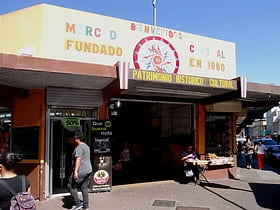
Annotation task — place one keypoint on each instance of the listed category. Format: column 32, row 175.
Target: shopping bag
column 189, row 173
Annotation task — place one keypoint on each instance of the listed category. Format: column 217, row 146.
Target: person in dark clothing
column 189, row 155
column 7, row 171
column 249, row 150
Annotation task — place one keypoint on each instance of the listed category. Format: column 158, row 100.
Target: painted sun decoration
column 156, row 54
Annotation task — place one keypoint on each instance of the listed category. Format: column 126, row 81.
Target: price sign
column 71, row 122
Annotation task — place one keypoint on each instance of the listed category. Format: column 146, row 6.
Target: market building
column 63, row 69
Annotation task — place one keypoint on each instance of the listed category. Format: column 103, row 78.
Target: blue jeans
column 249, row 159
column 82, row 184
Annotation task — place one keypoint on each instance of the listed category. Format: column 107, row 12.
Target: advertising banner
column 101, row 180
column 102, row 135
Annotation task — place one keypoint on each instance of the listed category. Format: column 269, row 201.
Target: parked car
column 273, row 154
column 267, row 142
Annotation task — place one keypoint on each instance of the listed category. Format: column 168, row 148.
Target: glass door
column 62, row 144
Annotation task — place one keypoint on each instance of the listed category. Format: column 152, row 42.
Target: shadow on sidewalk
column 207, row 187
column 221, row 186
column 267, row 195
column 67, row 202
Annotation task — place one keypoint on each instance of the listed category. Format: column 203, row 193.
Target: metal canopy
column 20, row 73
column 26, row 79
column 34, row 73
column 260, row 99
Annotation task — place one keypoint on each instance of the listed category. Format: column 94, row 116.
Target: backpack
column 22, row 200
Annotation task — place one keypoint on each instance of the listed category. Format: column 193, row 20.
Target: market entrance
column 62, row 131
column 154, row 133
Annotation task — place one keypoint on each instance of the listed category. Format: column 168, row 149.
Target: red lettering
column 97, row 32
column 218, row 54
column 192, row 48
column 133, row 27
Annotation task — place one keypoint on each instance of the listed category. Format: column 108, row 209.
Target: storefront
column 151, row 129
column 68, row 109
column 174, row 119
column 162, row 89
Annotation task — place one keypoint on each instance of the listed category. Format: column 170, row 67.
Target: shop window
column 25, row 141
column 218, row 134
column 5, row 124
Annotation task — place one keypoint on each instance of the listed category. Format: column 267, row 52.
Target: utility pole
column 155, row 12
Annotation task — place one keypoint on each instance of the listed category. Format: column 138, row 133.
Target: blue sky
column 253, row 25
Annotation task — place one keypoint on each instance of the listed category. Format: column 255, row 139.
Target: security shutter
column 68, row 97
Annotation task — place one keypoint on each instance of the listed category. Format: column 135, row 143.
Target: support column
column 200, row 129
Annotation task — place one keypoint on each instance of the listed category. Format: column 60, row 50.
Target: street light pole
column 155, row 12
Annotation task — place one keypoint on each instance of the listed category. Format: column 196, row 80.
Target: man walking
column 249, row 150
column 82, row 170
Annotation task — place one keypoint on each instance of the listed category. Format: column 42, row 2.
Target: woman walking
column 260, row 150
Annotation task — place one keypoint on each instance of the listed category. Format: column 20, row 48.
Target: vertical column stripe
column 243, row 87
column 123, row 68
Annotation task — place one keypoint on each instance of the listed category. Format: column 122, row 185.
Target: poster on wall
column 102, row 136
column 101, row 179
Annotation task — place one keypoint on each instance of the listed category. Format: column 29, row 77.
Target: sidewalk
column 252, row 189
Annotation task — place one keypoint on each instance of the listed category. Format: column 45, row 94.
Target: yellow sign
column 136, row 74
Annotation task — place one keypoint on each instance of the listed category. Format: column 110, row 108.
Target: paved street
column 252, row 189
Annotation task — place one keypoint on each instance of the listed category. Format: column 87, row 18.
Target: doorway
column 160, row 129
column 62, row 147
